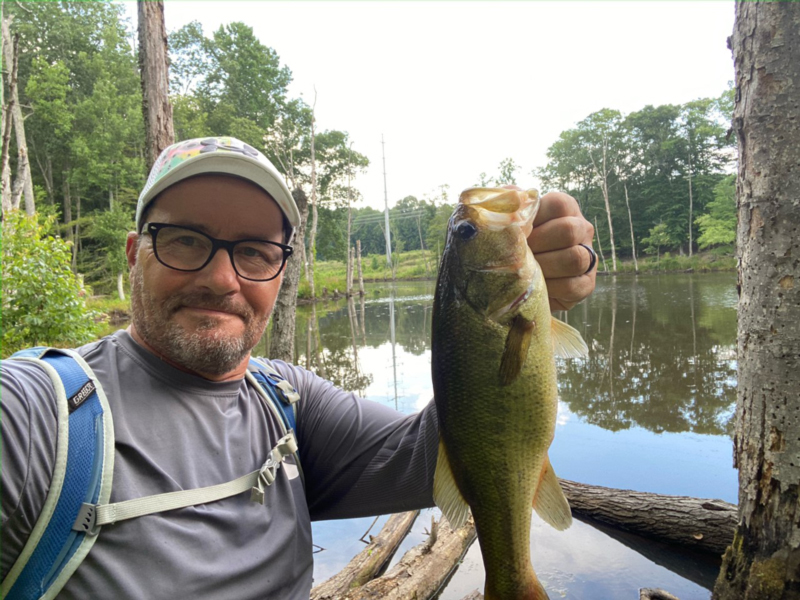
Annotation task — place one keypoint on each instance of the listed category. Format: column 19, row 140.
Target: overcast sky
column 455, row 87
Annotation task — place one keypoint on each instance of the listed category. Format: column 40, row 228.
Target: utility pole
column 386, row 210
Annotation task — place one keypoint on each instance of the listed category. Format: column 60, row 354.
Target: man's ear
column 132, row 248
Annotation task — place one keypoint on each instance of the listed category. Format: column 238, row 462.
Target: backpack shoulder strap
column 83, row 472
column 280, row 396
column 281, row 392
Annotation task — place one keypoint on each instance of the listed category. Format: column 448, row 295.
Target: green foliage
column 507, row 176
column 659, row 238
column 718, row 225
column 43, row 300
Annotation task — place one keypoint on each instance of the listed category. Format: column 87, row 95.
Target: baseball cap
column 224, row 155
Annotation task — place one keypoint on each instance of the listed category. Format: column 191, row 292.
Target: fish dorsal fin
column 445, row 492
column 567, row 342
column 549, row 501
column 518, row 341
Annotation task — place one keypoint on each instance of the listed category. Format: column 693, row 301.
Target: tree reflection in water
column 662, row 348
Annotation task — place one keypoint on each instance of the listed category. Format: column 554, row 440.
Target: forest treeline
column 655, row 177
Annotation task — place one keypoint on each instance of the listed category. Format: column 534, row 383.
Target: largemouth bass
column 494, row 344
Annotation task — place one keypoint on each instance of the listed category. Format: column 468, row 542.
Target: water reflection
column 661, row 349
column 676, row 375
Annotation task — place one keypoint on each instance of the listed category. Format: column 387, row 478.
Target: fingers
column 573, row 261
column 566, row 292
column 558, row 230
column 554, row 205
column 559, row 233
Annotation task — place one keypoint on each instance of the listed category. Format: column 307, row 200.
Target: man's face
column 206, row 321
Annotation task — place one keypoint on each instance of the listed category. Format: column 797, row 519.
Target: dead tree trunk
column 633, row 239
column 368, row 563
column 312, row 247
column 762, row 563
column 154, row 70
column 423, row 569
column 24, row 182
column 360, row 272
column 696, row 523
column 281, row 344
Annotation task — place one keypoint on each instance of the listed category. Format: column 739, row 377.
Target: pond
column 650, row 410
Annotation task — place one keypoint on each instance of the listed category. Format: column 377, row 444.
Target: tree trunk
column 154, row 69
column 67, row 206
column 312, row 247
column 423, row 569
column 691, row 202
column 695, row 523
column 764, row 560
column 368, row 563
column 23, row 164
column 633, row 239
column 600, row 246
column 281, row 344
column 120, row 287
column 360, row 273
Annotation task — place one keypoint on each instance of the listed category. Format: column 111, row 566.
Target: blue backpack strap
column 282, row 397
column 281, row 391
column 83, row 471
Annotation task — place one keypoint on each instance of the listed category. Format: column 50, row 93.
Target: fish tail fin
column 549, row 500
column 567, row 341
column 531, row 589
column 445, row 492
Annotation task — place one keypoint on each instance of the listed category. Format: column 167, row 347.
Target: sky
column 455, row 87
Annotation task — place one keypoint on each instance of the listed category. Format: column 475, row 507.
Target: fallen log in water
column 371, row 561
column 423, row 570
column 697, row 523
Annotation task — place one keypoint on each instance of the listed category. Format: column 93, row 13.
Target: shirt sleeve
column 28, row 430
column 359, row 457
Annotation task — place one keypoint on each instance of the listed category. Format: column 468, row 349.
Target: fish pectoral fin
column 567, row 342
column 549, row 501
column 445, row 492
column 518, row 341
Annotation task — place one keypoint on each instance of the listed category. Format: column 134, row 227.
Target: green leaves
column 43, row 301
column 718, row 225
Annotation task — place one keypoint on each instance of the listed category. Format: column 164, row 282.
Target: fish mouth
column 504, row 310
column 501, row 207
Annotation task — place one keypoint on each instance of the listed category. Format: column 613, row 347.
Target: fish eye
column 466, row 230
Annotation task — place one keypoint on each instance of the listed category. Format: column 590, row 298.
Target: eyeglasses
column 187, row 249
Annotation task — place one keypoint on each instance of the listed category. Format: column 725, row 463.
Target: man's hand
column 558, row 230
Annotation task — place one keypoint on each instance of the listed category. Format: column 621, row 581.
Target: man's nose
column 219, row 276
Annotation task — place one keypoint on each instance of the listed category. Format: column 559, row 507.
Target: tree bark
column 23, row 164
column 360, row 272
column 312, row 247
column 368, row 563
column 764, row 560
column 633, row 239
column 696, row 523
column 154, row 70
column 423, row 569
column 281, row 346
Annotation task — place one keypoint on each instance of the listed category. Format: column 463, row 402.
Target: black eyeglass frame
column 153, row 228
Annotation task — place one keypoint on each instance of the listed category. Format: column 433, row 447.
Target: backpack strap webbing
column 82, row 472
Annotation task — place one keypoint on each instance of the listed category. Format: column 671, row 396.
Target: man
column 206, row 264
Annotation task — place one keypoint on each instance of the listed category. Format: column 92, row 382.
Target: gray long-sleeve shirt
column 175, row 431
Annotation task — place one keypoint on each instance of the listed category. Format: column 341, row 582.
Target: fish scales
column 494, row 383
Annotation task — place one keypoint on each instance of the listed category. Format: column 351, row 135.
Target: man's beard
column 204, row 350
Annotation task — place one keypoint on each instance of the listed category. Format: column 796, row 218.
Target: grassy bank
column 333, row 274
column 704, row 262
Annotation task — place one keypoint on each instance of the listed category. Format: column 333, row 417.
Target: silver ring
column 593, row 254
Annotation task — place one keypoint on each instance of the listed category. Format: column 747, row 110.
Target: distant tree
column 659, row 238
column 507, row 169
column 110, row 229
column 718, row 225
